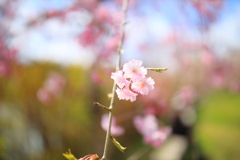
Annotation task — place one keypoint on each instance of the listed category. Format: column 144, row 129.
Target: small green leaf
column 160, row 70
column 118, row 145
column 69, row 155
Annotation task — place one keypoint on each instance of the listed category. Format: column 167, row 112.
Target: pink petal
column 120, row 79
column 126, row 94
column 134, row 70
column 143, row 86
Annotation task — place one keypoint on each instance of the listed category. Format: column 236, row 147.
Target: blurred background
column 56, row 58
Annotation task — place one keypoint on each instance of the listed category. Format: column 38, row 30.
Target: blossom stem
column 119, row 52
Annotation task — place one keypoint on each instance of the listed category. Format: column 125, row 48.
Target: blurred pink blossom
column 44, row 96
column 188, row 94
column 112, row 43
column 207, row 57
column 208, row 8
column 184, row 97
column 90, row 35
column 150, row 130
column 102, row 14
column 54, row 83
column 218, row 80
column 115, row 130
column 220, row 74
column 157, row 137
column 3, row 69
column 101, row 32
column 109, row 48
column 234, row 86
column 146, row 125
column 151, row 110
column 158, row 106
column 51, row 88
column 171, row 38
column 96, row 78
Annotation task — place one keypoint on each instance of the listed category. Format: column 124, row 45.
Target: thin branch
column 120, row 50
column 100, row 105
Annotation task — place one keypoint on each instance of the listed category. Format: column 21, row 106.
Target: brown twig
column 100, row 105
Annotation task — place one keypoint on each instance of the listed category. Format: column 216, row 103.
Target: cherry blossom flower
column 126, row 94
column 120, row 79
column 132, row 80
column 115, row 130
column 143, row 86
column 134, row 70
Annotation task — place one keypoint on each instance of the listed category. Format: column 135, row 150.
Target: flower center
column 134, row 70
column 143, row 84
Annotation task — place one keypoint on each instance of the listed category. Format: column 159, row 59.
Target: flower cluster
column 132, row 80
column 150, row 130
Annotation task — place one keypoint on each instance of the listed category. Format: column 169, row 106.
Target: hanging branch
column 119, row 52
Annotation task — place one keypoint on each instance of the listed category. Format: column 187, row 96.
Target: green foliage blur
column 33, row 130
column 217, row 130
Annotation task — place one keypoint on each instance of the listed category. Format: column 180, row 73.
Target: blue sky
column 54, row 41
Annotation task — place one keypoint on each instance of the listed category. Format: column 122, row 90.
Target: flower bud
column 90, row 157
